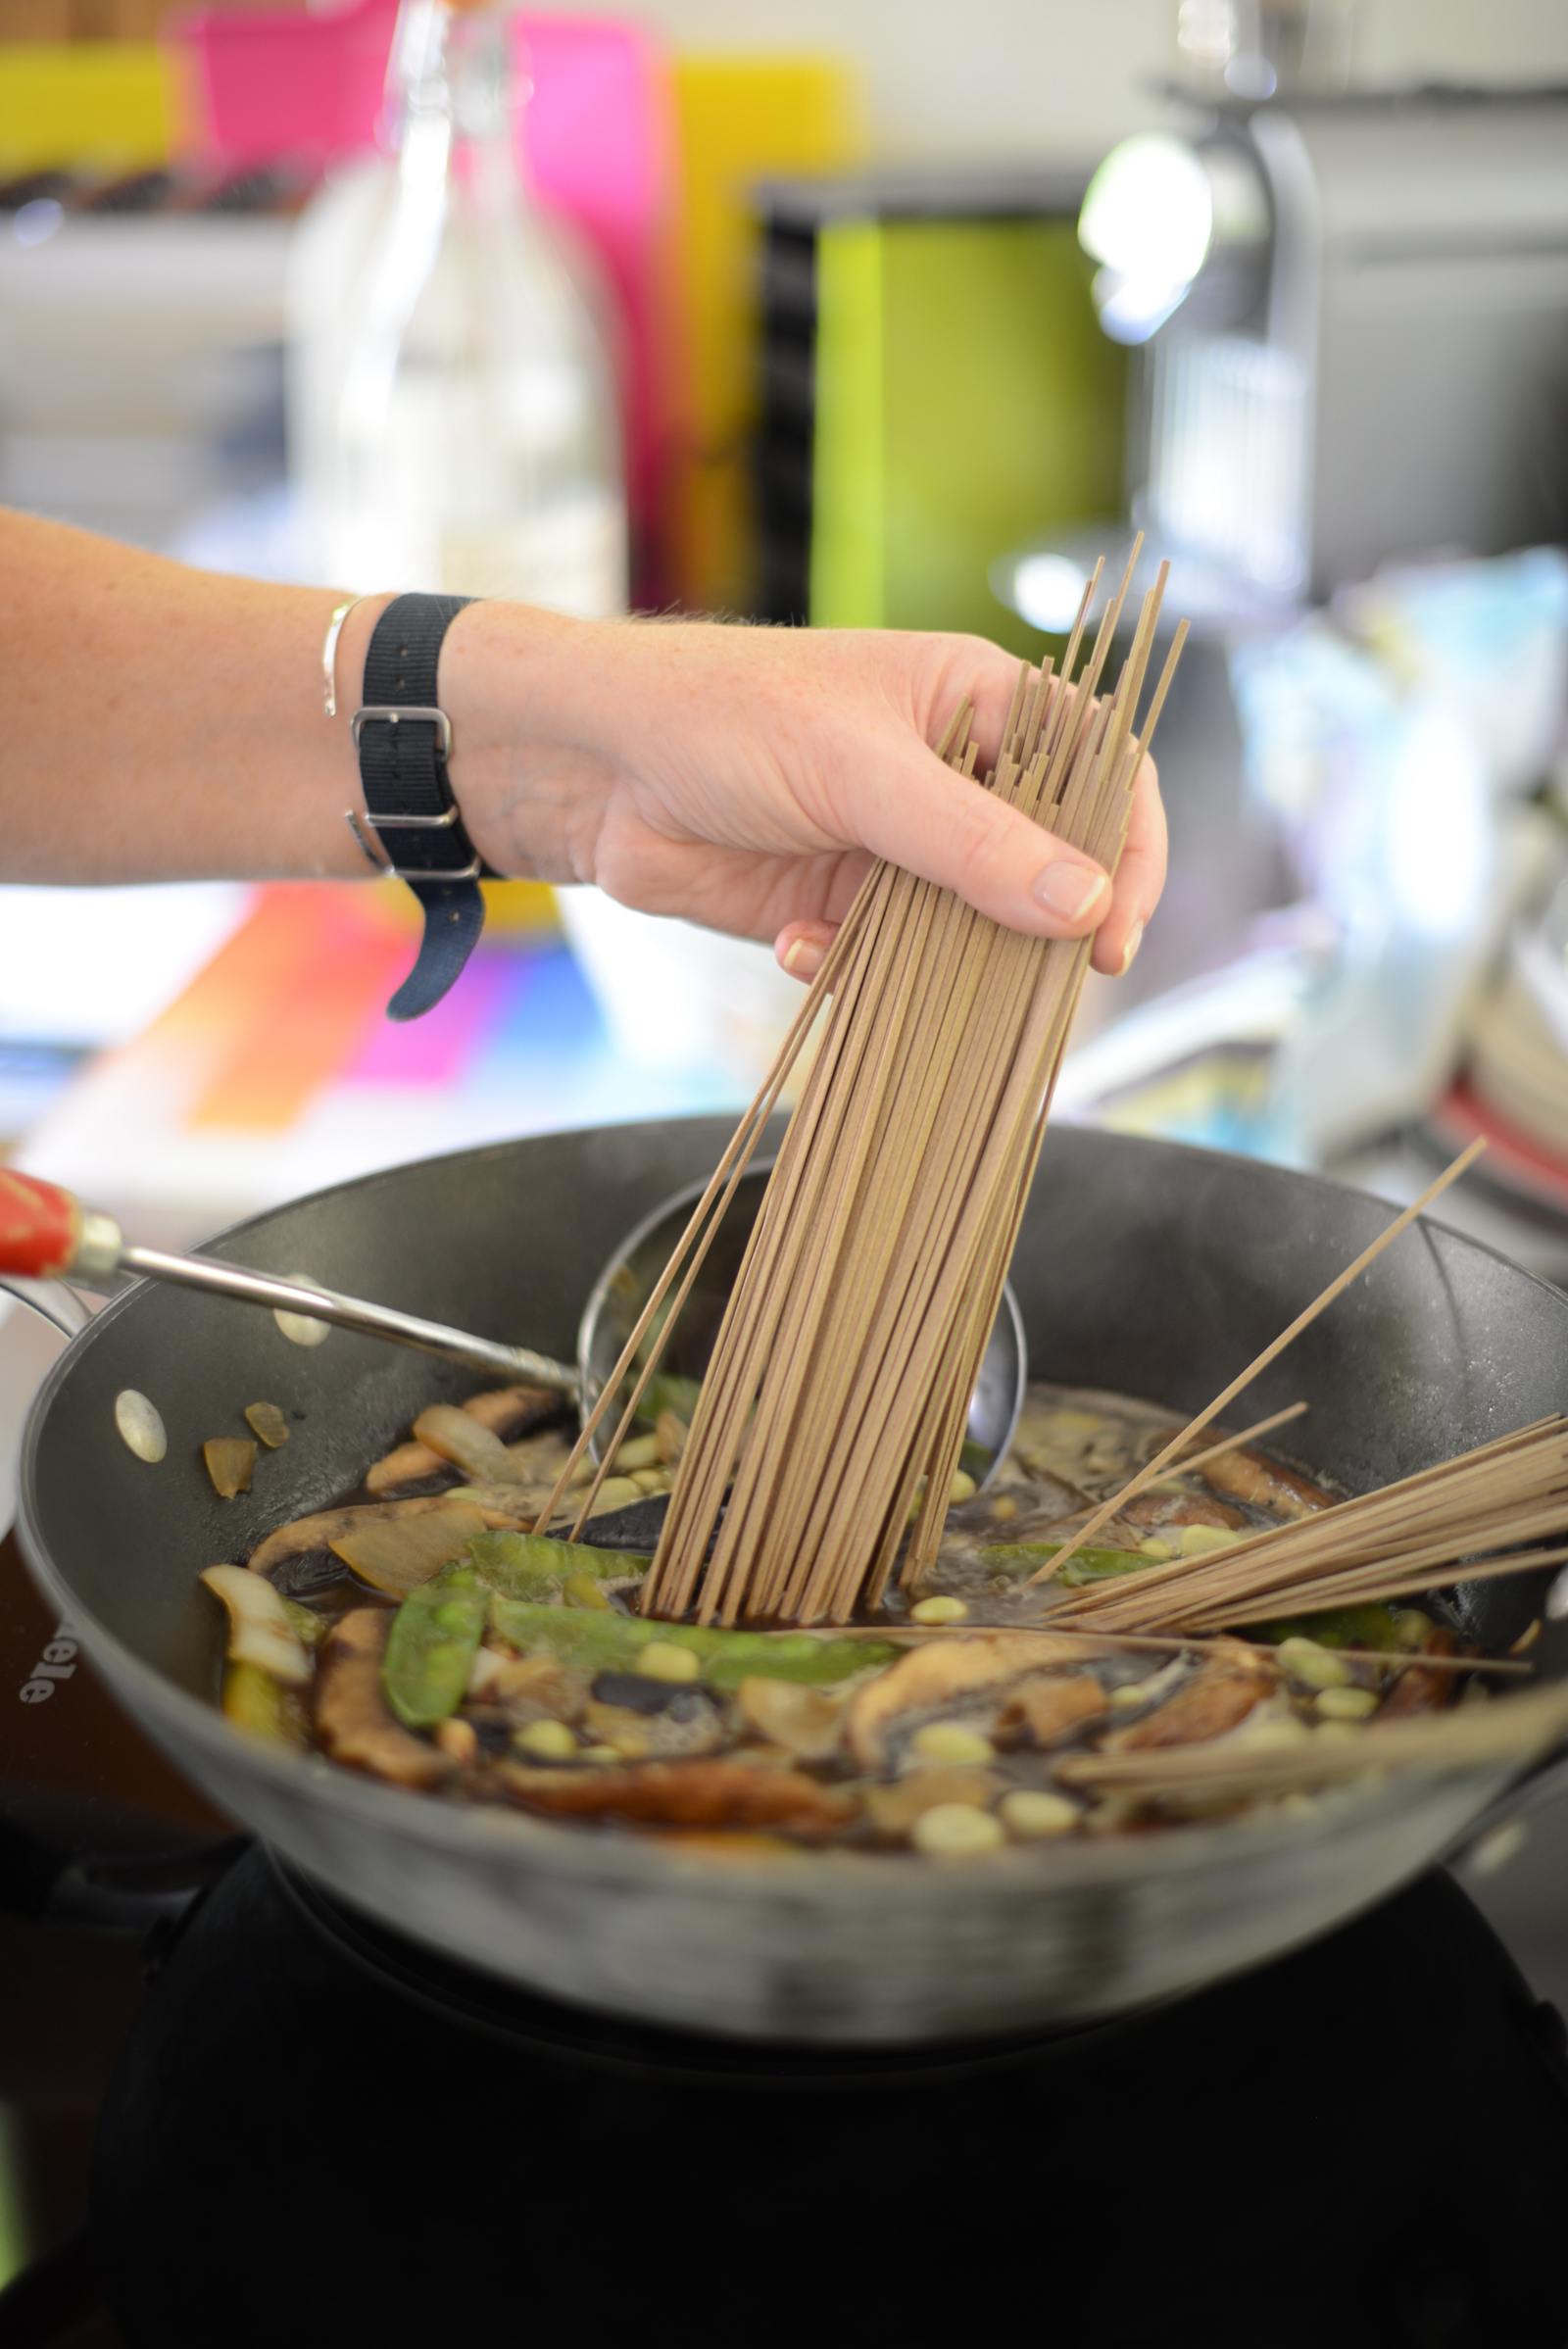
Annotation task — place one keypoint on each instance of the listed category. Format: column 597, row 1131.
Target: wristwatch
column 403, row 740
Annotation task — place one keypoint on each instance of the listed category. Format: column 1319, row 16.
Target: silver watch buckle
column 399, row 872
column 377, row 711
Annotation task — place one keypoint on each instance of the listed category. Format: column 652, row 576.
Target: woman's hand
column 744, row 778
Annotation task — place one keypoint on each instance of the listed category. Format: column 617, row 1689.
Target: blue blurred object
column 1393, row 741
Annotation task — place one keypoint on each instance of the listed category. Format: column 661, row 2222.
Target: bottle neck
column 451, row 90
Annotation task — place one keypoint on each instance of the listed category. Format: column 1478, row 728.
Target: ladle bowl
column 622, row 1289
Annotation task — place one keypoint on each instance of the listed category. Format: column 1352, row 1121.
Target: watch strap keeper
column 404, row 741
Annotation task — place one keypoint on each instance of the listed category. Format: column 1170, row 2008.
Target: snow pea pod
column 430, row 1648
column 1374, row 1625
column 668, row 1390
column 1084, row 1566
column 531, row 1566
column 605, row 1641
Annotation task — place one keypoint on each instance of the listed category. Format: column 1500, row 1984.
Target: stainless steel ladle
column 42, row 1226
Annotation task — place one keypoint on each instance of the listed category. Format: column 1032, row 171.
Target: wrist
column 519, row 686
column 348, row 695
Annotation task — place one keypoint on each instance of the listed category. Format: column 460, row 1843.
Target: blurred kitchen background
column 836, row 313
column 839, row 316
column 844, row 316
column 850, row 316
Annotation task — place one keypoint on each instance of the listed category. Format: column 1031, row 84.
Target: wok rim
column 620, row 1854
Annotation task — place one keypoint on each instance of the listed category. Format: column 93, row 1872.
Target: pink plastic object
column 596, row 142
column 268, row 85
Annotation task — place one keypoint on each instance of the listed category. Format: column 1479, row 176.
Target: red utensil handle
column 41, row 1226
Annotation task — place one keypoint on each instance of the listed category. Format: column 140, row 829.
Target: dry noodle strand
column 836, row 1395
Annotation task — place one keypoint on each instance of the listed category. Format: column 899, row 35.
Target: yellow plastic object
column 519, row 909
column 740, row 119
column 97, row 105
column 512, row 908
column 966, row 401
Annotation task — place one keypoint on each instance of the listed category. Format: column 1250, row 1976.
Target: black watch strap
column 404, row 741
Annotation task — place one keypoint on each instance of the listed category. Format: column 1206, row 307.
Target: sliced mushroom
column 352, row 1719
column 326, row 1526
column 506, row 1412
column 1248, row 1475
column 1047, row 1708
column 1220, row 1693
column 807, row 1722
column 1154, row 1508
column 509, row 1411
column 628, row 1734
column 261, row 1630
column 691, row 1725
column 697, row 1793
column 947, row 1668
column 408, row 1464
column 399, row 1553
column 1422, row 1690
column 531, row 1687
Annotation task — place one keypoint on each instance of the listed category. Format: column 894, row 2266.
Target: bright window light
column 1149, row 218
column 1150, row 212
column 1047, row 591
column 1438, row 836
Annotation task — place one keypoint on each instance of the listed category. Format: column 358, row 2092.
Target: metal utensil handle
column 351, row 1313
column 54, row 1301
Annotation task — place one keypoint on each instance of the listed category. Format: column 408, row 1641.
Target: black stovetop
column 336, row 2137
column 316, row 2132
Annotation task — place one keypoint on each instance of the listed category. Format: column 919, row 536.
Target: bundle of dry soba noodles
column 833, row 1411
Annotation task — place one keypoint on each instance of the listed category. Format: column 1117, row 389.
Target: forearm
column 162, row 724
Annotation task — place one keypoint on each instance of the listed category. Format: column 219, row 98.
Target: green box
column 964, row 402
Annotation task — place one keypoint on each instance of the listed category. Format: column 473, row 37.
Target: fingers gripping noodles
column 833, row 1411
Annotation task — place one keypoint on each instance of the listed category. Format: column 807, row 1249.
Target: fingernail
column 1068, row 891
column 1134, row 942
column 803, row 960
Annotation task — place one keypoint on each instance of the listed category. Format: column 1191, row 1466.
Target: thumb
column 949, row 829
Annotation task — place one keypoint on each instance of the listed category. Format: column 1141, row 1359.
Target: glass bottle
column 468, row 439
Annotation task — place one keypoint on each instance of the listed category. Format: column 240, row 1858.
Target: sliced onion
column 396, row 1553
column 460, row 1438
column 269, row 1423
column 320, row 1530
column 260, row 1630
column 231, row 1460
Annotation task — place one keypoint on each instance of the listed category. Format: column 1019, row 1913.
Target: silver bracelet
column 334, row 629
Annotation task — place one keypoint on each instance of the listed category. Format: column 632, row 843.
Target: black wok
column 1142, row 1267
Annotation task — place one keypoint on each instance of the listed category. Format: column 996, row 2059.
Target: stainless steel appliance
column 1355, row 320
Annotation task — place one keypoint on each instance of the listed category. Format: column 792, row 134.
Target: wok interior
column 1143, row 1268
